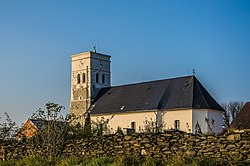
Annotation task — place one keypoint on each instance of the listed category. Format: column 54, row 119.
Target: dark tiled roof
column 175, row 93
column 242, row 120
column 39, row 123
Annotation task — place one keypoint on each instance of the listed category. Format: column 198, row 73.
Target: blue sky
column 148, row 40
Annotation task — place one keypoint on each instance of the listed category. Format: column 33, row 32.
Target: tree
column 53, row 133
column 226, row 119
column 198, row 128
column 231, row 110
column 8, row 129
column 87, row 126
column 77, row 130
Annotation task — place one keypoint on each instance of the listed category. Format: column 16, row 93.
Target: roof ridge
column 192, row 105
column 137, row 83
column 163, row 96
column 202, row 93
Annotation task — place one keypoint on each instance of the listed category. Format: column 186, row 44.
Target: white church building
column 177, row 103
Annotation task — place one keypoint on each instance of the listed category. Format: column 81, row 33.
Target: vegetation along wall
column 233, row 146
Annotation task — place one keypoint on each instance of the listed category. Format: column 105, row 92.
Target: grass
column 34, row 160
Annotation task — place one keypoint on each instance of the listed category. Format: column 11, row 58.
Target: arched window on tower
column 103, row 78
column 97, row 78
column 83, row 78
column 78, row 79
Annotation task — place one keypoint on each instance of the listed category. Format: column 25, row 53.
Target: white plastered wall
column 124, row 120
column 199, row 116
column 218, row 120
column 184, row 116
column 188, row 119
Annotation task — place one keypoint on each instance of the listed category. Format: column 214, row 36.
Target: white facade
column 212, row 115
column 185, row 120
column 183, row 116
column 218, row 120
column 125, row 120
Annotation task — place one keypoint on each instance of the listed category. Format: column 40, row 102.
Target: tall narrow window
column 177, row 124
column 78, row 79
column 103, row 78
column 83, row 78
column 133, row 125
column 97, row 78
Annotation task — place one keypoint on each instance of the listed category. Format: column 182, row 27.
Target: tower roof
column 168, row 94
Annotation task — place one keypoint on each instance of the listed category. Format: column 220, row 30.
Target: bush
column 32, row 160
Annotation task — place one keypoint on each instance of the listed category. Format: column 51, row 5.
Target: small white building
column 177, row 103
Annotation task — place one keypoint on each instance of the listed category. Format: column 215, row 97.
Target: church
column 180, row 103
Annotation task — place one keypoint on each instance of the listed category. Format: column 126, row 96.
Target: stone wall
column 234, row 146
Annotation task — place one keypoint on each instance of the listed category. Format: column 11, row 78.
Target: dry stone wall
column 233, row 146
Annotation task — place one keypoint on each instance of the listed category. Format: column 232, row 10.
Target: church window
column 97, row 78
column 83, row 78
column 78, row 79
column 133, row 125
column 177, row 124
column 103, row 78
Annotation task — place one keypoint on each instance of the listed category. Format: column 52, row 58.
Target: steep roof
column 39, row 123
column 176, row 93
column 242, row 120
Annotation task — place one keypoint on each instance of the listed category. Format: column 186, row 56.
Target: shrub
column 35, row 160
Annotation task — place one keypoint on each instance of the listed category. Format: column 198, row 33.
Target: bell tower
column 90, row 72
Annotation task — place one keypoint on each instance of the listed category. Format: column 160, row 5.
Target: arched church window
column 103, row 78
column 97, row 78
column 83, row 78
column 78, row 79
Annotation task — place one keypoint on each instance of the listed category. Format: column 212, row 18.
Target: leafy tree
column 53, row 134
column 75, row 131
column 231, row 110
column 87, row 126
column 226, row 119
column 8, row 129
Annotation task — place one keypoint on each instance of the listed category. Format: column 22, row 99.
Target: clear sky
column 147, row 39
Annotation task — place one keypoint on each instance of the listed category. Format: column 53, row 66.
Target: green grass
column 34, row 160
